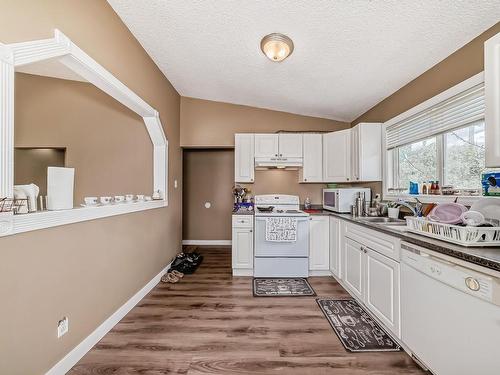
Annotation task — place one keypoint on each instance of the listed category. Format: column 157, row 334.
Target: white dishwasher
column 450, row 315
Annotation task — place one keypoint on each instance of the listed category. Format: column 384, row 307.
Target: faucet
column 417, row 211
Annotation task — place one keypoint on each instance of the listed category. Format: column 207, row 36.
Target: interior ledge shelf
column 59, row 57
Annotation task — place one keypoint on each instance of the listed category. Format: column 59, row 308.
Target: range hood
column 278, row 163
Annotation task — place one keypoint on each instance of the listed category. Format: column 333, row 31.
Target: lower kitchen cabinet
column 353, row 267
column 373, row 278
column 319, row 238
column 242, row 245
column 335, row 243
column 382, row 289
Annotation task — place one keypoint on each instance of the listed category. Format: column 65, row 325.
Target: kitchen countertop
column 243, row 212
column 488, row 257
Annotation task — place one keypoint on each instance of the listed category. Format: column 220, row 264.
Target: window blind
column 455, row 112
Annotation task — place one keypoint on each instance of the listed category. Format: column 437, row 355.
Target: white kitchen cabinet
column 382, row 289
column 337, row 156
column 366, row 152
column 352, row 272
column 319, row 238
column 372, row 277
column 492, row 101
column 290, row 145
column 335, row 244
column 312, row 170
column 242, row 245
column 266, row 145
column 244, row 167
column 278, row 145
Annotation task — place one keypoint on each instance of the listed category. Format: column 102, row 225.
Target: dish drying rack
column 464, row 236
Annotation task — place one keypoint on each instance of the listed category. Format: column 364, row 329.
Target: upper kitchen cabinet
column 492, row 101
column 278, row 145
column 244, row 169
column 337, row 156
column 366, row 151
column 266, row 145
column 312, row 170
column 290, row 145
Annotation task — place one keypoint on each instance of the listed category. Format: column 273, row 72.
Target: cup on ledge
column 90, row 201
column 119, row 198
column 105, row 200
column 140, row 197
column 129, row 198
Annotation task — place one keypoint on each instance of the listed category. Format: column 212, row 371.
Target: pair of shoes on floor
column 186, row 263
column 172, row 276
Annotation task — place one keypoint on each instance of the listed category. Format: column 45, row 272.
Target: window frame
column 391, row 162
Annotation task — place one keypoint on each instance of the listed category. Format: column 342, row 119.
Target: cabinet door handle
column 347, row 178
column 251, row 231
column 305, row 179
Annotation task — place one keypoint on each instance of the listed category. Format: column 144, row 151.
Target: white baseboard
column 242, row 272
column 65, row 364
column 207, row 242
column 320, row 273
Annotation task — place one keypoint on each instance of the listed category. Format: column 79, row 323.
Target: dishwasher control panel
column 454, row 275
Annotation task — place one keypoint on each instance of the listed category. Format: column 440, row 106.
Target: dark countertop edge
column 455, row 251
column 243, row 212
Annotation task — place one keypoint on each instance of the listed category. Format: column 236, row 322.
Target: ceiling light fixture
column 277, row 47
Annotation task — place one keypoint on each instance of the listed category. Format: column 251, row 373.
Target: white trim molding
column 72, row 358
column 207, row 242
column 492, row 95
column 59, row 57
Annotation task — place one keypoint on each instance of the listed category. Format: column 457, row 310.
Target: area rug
column 357, row 331
column 282, row 287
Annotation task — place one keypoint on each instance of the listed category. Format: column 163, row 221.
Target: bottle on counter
column 438, row 188
column 432, row 189
column 307, row 204
column 424, row 187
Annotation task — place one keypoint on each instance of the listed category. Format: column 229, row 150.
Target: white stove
column 278, row 205
column 284, row 258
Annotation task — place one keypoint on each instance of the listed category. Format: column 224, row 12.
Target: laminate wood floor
column 209, row 323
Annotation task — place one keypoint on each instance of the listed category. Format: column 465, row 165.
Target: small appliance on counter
column 341, row 199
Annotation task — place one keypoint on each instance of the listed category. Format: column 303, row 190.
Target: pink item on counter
column 447, row 213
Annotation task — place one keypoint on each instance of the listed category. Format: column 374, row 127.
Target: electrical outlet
column 62, row 327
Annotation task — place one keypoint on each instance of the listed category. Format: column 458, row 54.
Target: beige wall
column 206, row 123
column 97, row 141
column 208, row 176
column 85, row 271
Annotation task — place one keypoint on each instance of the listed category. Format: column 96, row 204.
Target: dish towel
column 281, row 229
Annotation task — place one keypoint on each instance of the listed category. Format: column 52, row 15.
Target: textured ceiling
column 348, row 56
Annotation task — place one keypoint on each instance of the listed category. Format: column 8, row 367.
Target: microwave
column 341, row 200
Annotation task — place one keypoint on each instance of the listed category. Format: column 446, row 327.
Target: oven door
column 299, row 248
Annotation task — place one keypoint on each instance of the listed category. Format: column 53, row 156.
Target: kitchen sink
column 384, row 220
